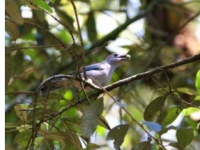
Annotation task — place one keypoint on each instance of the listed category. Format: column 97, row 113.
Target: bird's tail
column 54, row 85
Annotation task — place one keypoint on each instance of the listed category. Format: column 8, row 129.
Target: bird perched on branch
column 99, row 74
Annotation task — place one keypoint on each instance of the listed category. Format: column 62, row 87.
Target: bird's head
column 116, row 59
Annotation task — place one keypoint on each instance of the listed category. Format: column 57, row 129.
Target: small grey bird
column 99, row 73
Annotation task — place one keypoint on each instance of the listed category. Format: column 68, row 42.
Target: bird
column 98, row 73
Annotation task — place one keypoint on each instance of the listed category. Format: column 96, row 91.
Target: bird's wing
column 93, row 67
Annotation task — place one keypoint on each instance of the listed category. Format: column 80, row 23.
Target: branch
column 113, row 34
column 10, row 49
column 151, row 72
column 129, row 79
column 158, row 49
column 81, row 39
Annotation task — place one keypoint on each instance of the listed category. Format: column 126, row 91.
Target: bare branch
column 81, row 39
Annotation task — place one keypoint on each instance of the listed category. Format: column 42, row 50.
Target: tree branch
column 129, row 79
column 151, row 72
column 113, row 34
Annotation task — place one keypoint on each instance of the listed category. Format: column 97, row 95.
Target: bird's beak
column 126, row 57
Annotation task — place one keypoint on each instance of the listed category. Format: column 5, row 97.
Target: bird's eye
column 115, row 55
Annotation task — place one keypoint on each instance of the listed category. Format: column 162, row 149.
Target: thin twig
column 158, row 49
column 81, row 39
column 131, row 78
column 65, row 25
column 10, row 49
column 151, row 72
column 52, row 59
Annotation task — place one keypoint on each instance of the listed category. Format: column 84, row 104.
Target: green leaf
column 8, row 68
column 53, row 1
column 52, row 99
column 91, row 27
column 103, row 122
column 22, row 138
column 117, row 134
column 153, row 126
column 166, row 129
column 12, row 30
column 91, row 146
column 190, row 110
column 72, row 125
column 65, row 18
column 72, row 135
column 184, row 136
column 21, row 114
column 197, row 82
column 43, row 5
column 52, row 135
column 68, row 95
column 45, row 144
column 31, row 4
column 123, row 2
column 18, row 62
column 187, row 91
column 10, row 125
column 146, row 145
column 89, row 118
column 154, row 107
column 169, row 116
column 12, row 9
column 176, row 145
column 197, row 98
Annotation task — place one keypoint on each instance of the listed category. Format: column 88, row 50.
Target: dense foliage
column 50, row 37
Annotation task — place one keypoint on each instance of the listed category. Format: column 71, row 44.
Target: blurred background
column 153, row 32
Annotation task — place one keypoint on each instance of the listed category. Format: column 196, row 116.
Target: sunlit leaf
column 38, row 141
column 89, row 118
column 184, row 136
column 43, row 5
column 154, row 107
column 10, row 125
column 117, row 134
column 20, row 113
column 8, row 68
column 197, row 82
column 190, row 110
column 23, row 127
column 187, row 91
column 68, row 95
column 12, row 9
column 196, row 101
column 12, row 30
column 169, row 116
column 153, row 126
column 146, row 145
column 197, row 98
